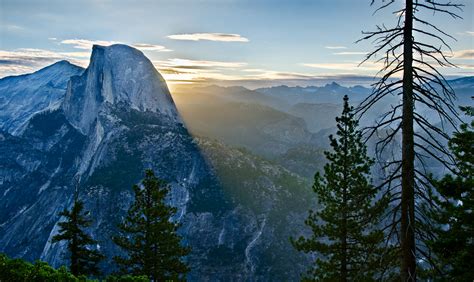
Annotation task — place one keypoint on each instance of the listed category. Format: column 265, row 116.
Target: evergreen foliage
column 40, row 271
column 20, row 270
column 148, row 235
column 83, row 260
column 345, row 238
column 454, row 244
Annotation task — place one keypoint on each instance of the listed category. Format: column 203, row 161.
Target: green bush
column 18, row 270
column 127, row 278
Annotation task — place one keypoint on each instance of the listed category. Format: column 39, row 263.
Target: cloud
column 28, row 57
column 86, row 44
column 25, row 60
column 197, row 64
column 335, row 47
column 464, row 54
column 11, row 27
column 349, row 53
column 254, row 70
column 349, row 66
column 178, row 71
column 224, row 37
column 470, row 33
column 151, row 47
column 466, row 67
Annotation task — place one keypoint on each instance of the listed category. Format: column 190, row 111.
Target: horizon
column 227, row 43
column 358, row 81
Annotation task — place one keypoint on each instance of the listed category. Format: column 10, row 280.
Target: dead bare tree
column 411, row 52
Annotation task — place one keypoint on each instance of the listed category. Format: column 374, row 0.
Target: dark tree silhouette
column 149, row 236
column 345, row 236
column 454, row 243
column 83, row 260
column 411, row 52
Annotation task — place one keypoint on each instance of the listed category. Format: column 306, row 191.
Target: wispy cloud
column 278, row 75
column 26, row 60
column 349, row 53
column 197, row 64
column 151, row 47
column 335, row 47
column 348, row 66
column 11, row 27
column 177, row 71
column 224, row 37
column 464, row 54
column 86, row 44
column 466, row 67
column 470, row 33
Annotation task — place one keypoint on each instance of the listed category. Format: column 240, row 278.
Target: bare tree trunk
column 74, row 259
column 408, row 263
column 344, row 213
column 344, row 239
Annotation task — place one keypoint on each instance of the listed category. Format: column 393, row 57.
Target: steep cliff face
column 114, row 120
column 118, row 75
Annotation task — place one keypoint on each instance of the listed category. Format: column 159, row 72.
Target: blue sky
column 251, row 43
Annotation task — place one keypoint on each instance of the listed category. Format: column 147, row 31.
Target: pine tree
column 454, row 245
column 83, row 260
column 345, row 237
column 149, row 236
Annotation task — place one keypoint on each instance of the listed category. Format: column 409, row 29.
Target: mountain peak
column 333, row 85
column 117, row 74
column 25, row 95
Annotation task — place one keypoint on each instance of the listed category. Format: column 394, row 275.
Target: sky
column 251, row 43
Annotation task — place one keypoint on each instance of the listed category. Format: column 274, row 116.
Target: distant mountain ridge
column 329, row 93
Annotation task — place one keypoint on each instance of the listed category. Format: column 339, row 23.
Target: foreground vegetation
column 19, row 270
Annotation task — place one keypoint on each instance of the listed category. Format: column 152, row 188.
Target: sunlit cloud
column 466, row 67
column 277, row 75
column 464, row 54
column 151, row 47
column 224, row 37
column 178, row 70
column 335, row 47
column 197, row 64
column 86, row 44
column 254, row 70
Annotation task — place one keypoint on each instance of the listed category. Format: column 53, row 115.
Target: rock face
column 117, row 76
column 116, row 119
column 23, row 96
